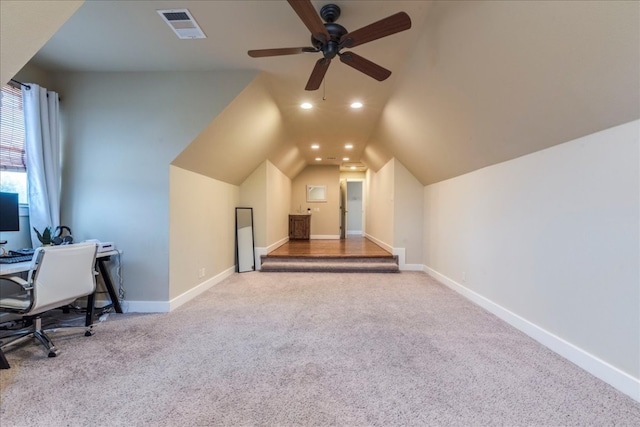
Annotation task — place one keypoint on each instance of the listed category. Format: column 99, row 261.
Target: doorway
column 352, row 223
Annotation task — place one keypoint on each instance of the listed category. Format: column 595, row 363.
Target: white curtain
column 42, row 157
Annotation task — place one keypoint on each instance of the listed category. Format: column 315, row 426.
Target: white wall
column 202, row 229
column 552, row 238
column 408, row 214
column 121, row 132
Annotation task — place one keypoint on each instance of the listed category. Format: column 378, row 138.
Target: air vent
column 331, row 158
column 182, row 23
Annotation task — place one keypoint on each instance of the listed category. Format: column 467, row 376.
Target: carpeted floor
column 295, row 349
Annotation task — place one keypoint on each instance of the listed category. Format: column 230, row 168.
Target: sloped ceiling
column 491, row 81
column 19, row 42
column 474, row 82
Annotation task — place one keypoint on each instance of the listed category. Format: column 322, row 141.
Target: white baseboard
column 590, row 363
column 167, row 306
column 354, row 232
column 258, row 254
column 412, row 267
column 264, row 251
column 380, row 243
column 325, row 237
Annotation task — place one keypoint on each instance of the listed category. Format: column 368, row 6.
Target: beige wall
column 326, row 220
column 353, row 175
column 238, row 140
column 379, row 204
column 25, row 26
column 268, row 191
column 394, row 210
column 407, row 213
column 278, row 204
column 253, row 194
column 493, row 80
column 202, row 229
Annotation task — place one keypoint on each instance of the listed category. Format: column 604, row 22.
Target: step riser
column 330, row 264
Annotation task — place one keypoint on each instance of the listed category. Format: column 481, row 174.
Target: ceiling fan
column 330, row 38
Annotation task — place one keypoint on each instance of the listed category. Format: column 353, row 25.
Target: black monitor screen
column 9, row 218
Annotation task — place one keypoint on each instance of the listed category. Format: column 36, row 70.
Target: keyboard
column 13, row 259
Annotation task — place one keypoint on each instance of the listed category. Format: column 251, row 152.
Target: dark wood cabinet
column 299, row 227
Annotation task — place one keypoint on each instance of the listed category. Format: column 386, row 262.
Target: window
column 13, row 171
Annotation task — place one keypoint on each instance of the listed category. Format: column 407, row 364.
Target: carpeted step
column 330, row 264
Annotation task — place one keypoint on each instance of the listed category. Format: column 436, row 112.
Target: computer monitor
column 9, row 216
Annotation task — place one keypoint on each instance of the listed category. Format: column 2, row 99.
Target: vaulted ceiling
column 474, row 82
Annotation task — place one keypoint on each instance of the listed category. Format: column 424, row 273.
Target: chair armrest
column 18, row 281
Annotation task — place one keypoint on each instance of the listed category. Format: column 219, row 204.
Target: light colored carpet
column 295, row 349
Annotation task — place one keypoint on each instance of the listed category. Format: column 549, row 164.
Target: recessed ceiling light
column 345, row 159
column 353, row 168
column 348, row 146
column 315, row 146
column 306, row 106
column 318, row 159
column 356, row 105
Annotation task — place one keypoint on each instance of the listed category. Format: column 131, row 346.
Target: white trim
column 590, row 363
column 412, row 267
column 354, row 233
column 258, row 252
column 402, row 258
column 325, row 237
column 400, row 253
column 167, row 306
column 379, row 243
column 145, row 306
column 277, row 244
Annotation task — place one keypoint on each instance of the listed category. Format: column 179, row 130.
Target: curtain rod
column 21, row 84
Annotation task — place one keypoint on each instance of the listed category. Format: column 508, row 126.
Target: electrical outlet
column 201, row 273
column 464, row 276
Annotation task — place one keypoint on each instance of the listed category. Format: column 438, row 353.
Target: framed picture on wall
column 316, row 193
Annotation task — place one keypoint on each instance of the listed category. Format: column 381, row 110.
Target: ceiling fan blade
column 259, row 53
column 385, row 27
column 317, row 75
column 310, row 18
column 361, row 64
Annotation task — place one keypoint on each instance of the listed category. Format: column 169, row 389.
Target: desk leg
column 3, row 361
column 91, row 302
column 109, row 284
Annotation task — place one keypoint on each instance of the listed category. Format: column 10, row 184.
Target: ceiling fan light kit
column 330, row 38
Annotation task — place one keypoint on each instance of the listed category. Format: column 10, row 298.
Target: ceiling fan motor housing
column 332, row 46
column 330, row 13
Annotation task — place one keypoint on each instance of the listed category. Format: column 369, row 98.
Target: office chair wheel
column 88, row 333
column 52, row 354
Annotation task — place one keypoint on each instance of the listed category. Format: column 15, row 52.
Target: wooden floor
column 354, row 246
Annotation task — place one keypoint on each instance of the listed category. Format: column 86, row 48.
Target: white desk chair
column 58, row 276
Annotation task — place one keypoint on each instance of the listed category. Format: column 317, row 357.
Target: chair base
column 41, row 336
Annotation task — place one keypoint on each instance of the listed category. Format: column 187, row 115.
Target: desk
column 101, row 259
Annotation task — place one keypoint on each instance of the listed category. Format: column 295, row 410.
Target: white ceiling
column 474, row 83
column 131, row 36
